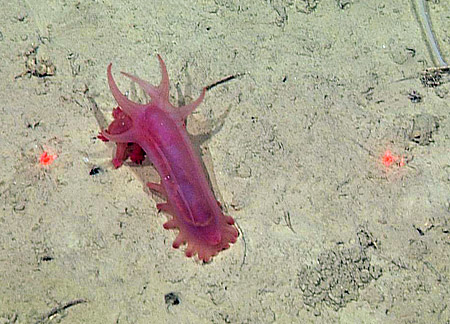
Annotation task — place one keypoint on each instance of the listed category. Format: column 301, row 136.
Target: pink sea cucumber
column 157, row 130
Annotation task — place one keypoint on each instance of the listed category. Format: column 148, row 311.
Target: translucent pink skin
column 157, row 129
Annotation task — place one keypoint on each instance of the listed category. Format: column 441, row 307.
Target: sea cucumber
column 157, row 130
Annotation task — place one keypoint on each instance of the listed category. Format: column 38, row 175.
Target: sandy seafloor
column 328, row 234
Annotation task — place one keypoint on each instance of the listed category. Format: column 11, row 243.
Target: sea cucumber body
column 171, row 152
column 158, row 129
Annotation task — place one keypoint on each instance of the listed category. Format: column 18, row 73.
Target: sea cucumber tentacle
column 157, row 187
column 152, row 91
column 179, row 240
column 121, row 154
column 125, row 137
column 185, row 111
column 170, row 224
column 189, row 252
column 164, row 85
column 159, row 93
column 165, row 207
column 130, row 108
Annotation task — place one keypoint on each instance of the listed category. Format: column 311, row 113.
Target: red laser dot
column 388, row 158
column 47, row 159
